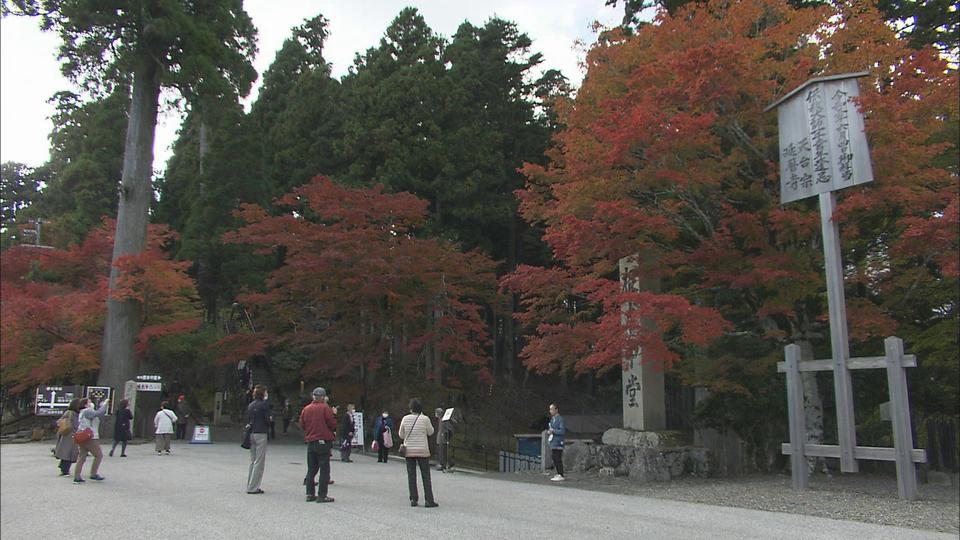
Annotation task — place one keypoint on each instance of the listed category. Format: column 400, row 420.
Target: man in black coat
column 347, row 429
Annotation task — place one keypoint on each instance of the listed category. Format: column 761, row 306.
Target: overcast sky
column 30, row 73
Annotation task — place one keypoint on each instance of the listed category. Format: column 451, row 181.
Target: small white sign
column 148, row 387
column 201, row 435
column 447, row 415
column 358, row 429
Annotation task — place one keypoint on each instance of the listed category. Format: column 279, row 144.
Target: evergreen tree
column 200, row 48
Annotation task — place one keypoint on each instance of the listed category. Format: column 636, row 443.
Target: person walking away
column 121, row 428
column 383, row 425
column 556, row 431
column 272, row 433
column 67, row 450
column 318, row 425
column 444, row 438
column 258, row 416
column 90, row 419
column 164, row 422
column 287, row 414
column 347, row 430
column 415, row 430
column 183, row 414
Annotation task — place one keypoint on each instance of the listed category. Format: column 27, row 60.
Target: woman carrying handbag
column 415, row 430
column 66, row 450
column 87, row 438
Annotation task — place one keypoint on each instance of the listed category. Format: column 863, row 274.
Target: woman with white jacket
column 415, row 430
column 164, row 422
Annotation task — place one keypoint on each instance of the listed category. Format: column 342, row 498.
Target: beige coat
column 415, row 434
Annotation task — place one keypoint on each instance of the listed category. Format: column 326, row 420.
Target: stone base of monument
column 643, row 456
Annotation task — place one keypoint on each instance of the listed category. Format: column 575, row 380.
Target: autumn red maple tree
column 356, row 289
column 53, row 302
column 667, row 155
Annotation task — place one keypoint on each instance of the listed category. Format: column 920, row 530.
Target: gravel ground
column 864, row 497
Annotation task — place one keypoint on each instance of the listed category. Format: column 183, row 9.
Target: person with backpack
column 164, row 421
column 383, row 436
column 121, row 428
column 67, row 450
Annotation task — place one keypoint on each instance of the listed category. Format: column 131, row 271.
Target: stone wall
column 642, row 456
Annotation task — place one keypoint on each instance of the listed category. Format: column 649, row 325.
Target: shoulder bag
column 83, row 436
column 403, row 447
column 63, row 425
column 245, row 440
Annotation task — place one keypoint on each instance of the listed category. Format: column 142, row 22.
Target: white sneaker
column 556, row 478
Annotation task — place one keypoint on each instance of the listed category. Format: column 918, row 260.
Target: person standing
column 183, row 414
column 90, row 419
column 121, row 428
column 556, row 431
column 287, row 414
column 382, row 426
column 415, row 430
column 444, row 438
column 163, row 422
column 67, row 450
column 258, row 416
column 347, row 429
column 318, row 425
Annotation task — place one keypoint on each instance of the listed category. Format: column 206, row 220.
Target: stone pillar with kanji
column 643, row 392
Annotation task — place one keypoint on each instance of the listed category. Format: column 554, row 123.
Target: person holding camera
column 90, row 419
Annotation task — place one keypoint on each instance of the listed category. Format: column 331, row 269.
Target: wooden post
column 839, row 343
column 798, row 435
column 900, row 417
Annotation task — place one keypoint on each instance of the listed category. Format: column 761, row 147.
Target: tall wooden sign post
column 823, row 148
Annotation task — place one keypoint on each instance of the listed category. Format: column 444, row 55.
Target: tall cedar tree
column 287, row 138
column 202, row 49
column 358, row 291
column 667, row 152
column 54, row 302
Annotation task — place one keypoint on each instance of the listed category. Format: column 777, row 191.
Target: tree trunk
column 510, row 325
column 123, row 322
column 812, row 406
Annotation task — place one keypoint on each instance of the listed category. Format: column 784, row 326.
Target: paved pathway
column 198, row 492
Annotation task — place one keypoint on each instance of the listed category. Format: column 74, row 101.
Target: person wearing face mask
column 90, row 419
column 258, row 416
column 382, row 426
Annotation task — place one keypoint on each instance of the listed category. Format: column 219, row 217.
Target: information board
column 53, row 400
column 201, row 435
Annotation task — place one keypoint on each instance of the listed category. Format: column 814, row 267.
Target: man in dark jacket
column 319, row 426
column 347, row 429
column 258, row 416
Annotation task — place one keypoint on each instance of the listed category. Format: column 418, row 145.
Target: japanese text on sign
column 822, row 143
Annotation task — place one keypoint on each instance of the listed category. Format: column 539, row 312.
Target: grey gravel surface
column 198, row 492
column 866, row 497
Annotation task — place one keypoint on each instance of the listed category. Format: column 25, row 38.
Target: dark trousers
column 557, row 455
column 181, row 431
column 345, row 452
column 123, row 449
column 424, row 463
column 382, row 453
column 65, row 466
column 318, row 459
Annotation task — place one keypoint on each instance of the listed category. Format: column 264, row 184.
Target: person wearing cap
column 319, row 426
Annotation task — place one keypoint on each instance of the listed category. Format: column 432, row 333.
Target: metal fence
column 514, row 462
